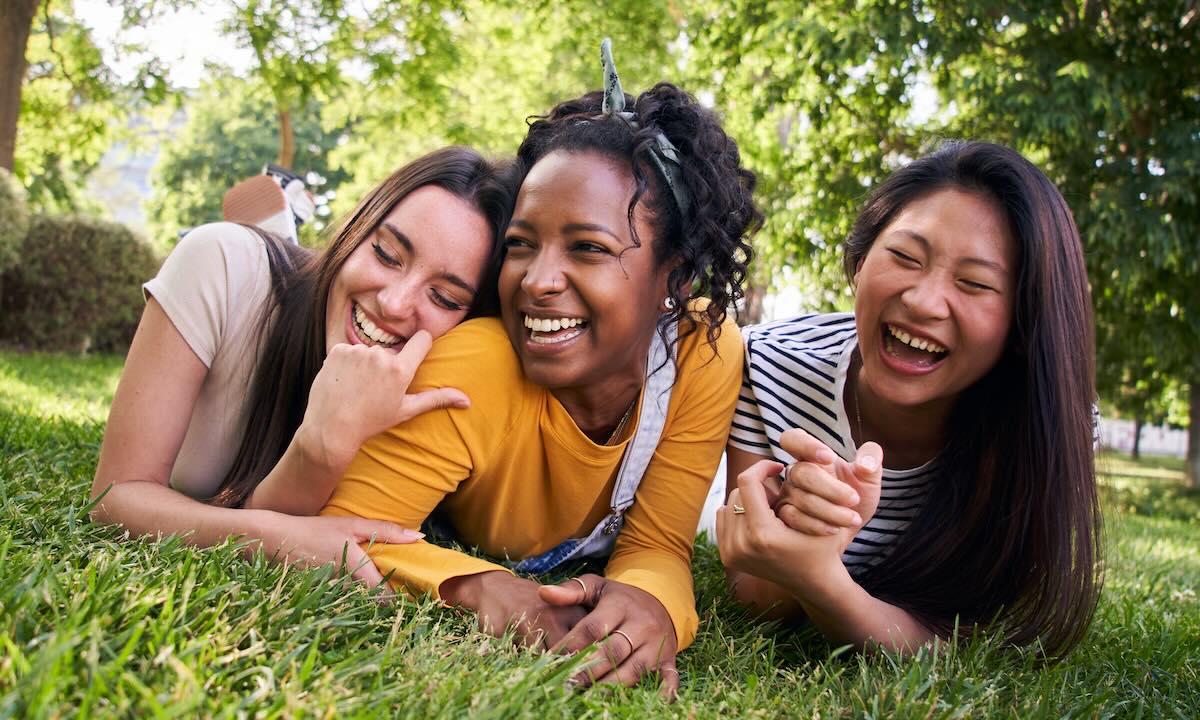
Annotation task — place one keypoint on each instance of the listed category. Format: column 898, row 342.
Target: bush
column 14, row 219
column 77, row 286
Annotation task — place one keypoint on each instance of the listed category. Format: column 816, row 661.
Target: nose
column 543, row 276
column 927, row 298
column 398, row 299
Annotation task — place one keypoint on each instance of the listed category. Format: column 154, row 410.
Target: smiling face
column 934, row 299
column 418, row 270
column 579, row 300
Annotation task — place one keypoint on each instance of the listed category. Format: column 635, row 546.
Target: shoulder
column 475, row 355
column 695, row 350
column 235, row 248
column 819, row 337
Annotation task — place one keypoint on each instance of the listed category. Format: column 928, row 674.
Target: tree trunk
column 16, row 19
column 287, row 140
column 752, row 305
column 1138, row 423
column 1193, row 448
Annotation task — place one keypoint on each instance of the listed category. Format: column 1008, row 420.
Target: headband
column 663, row 154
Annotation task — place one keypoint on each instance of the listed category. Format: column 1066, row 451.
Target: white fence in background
column 1156, row 439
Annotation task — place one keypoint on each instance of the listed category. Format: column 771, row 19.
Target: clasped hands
column 633, row 634
column 793, row 530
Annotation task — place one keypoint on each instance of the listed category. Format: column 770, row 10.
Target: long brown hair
column 292, row 351
column 1012, row 531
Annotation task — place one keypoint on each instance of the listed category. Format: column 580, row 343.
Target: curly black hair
column 710, row 242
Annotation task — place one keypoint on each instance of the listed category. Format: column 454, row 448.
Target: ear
column 857, row 270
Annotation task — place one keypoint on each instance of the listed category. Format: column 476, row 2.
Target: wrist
column 318, row 449
column 822, row 586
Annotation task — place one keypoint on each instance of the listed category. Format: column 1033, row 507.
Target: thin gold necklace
column 621, row 425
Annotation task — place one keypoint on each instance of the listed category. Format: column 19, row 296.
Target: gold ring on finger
column 582, row 585
column 627, row 638
column 738, row 509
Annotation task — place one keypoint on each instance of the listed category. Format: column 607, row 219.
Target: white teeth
column 547, row 325
column 371, row 330
column 918, row 343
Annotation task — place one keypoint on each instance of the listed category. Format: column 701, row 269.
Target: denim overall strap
column 656, row 397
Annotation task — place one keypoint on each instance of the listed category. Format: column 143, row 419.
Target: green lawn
column 91, row 624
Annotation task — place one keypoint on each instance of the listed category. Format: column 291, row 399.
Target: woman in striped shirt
column 926, row 463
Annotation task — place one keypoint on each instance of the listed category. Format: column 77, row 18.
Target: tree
column 228, row 136
column 16, row 19
column 500, row 63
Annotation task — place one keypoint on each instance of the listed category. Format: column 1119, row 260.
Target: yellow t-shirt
column 515, row 476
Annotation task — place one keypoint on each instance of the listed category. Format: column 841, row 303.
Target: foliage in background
column 77, row 286
column 70, row 110
column 229, row 136
column 14, row 219
column 499, row 63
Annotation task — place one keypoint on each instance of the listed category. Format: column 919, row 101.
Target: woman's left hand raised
column 755, row 541
column 634, row 633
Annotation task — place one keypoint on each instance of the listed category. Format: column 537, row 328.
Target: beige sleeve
column 208, row 273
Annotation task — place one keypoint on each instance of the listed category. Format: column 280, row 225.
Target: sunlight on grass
column 53, row 385
column 95, row 624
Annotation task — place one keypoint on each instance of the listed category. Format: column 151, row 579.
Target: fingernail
column 854, row 498
column 868, row 463
column 825, row 456
column 414, row 534
column 856, row 519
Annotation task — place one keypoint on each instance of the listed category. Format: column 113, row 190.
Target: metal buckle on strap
column 612, row 524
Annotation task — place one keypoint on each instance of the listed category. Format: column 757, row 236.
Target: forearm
column 304, row 478
column 846, row 613
column 149, row 509
column 764, row 599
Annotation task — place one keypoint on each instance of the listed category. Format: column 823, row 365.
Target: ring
column 627, row 638
column 788, row 471
column 738, row 509
column 582, row 585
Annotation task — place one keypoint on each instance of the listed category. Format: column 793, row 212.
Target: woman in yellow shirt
column 600, row 399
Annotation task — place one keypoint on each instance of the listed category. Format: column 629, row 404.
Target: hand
column 646, row 641
column 825, row 495
column 758, row 543
column 503, row 601
column 361, row 391
column 317, row 541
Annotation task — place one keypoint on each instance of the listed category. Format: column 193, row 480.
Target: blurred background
column 122, row 123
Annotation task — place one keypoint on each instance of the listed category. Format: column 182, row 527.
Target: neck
column 598, row 413
column 909, row 436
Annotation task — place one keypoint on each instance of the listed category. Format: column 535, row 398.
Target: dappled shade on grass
column 91, row 623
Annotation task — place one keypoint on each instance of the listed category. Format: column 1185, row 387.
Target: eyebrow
column 570, row 228
column 401, row 238
column 979, row 262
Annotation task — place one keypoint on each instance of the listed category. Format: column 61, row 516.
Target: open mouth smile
column 552, row 331
column 370, row 333
column 910, row 350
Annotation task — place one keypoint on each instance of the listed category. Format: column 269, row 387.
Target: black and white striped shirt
column 794, row 377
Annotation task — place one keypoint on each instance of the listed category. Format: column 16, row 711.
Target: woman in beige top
column 259, row 368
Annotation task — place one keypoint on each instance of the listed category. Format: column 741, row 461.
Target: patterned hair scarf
column 664, row 155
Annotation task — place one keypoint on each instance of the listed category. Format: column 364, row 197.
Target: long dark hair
column 291, row 353
column 709, row 243
column 1013, row 530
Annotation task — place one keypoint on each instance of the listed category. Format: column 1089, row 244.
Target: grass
column 92, row 624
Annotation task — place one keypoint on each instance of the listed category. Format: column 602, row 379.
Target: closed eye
column 903, row 257
column 978, row 286
column 444, row 301
column 384, row 256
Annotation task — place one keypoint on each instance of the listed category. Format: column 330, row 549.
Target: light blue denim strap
column 656, row 397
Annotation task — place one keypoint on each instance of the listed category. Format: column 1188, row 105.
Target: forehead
column 441, row 227
column 577, row 183
column 957, row 223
